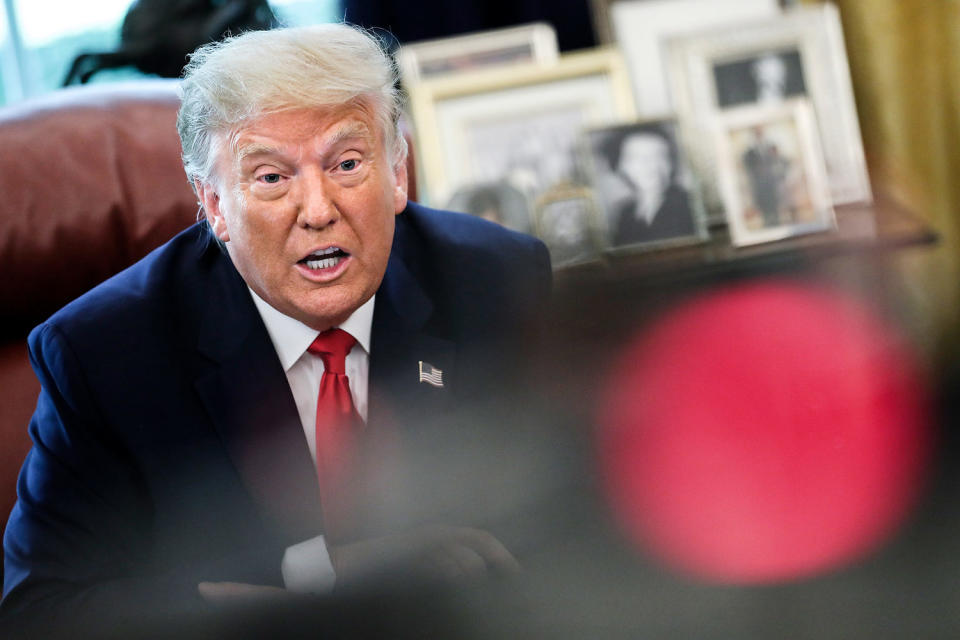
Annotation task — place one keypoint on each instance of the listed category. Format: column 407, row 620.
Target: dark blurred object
column 423, row 20
column 157, row 35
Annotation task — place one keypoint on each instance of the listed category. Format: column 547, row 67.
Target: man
column 767, row 172
column 179, row 435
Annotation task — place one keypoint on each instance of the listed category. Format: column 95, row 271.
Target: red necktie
column 337, row 419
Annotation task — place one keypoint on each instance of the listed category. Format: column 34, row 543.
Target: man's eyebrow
column 256, row 149
column 346, row 132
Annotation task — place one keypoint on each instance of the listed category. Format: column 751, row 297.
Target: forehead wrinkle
column 352, row 129
column 242, row 150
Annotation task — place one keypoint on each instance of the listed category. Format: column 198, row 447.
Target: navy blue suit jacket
column 167, row 446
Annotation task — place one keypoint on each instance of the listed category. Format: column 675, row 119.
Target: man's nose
column 317, row 209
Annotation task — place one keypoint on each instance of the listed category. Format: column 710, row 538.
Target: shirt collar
column 291, row 337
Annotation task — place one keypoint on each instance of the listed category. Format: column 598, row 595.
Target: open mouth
column 324, row 258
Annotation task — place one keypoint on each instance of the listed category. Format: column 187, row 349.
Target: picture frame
column 645, row 192
column 520, row 124
column 773, row 178
column 641, row 29
column 805, row 39
column 565, row 219
column 530, row 43
column 498, row 202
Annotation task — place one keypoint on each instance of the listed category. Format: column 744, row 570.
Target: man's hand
column 231, row 593
column 433, row 553
column 436, row 553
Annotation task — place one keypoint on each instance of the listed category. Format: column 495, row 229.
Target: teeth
column 325, row 252
column 323, row 264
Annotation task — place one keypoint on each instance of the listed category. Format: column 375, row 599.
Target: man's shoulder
column 474, row 270
column 145, row 292
column 465, row 235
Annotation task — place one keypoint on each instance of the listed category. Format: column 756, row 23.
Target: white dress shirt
column 306, row 566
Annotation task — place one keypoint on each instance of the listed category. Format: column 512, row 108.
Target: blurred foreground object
column 764, row 432
column 157, row 35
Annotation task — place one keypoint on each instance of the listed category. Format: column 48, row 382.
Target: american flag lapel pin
column 430, row 374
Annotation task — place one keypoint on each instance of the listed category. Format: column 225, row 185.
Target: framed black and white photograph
column 798, row 54
column 498, row 202
column 768, row 77
column 519, row 126
column 772, row 174
column 529, row 43
column 643, row 186
column 566, row 222
column 641, row 29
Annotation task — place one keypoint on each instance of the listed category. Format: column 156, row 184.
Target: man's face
column 305, row 201
column 645, row 160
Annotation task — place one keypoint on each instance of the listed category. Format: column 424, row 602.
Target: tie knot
column 332, row 346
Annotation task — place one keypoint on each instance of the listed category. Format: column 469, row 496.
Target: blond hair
column 243, row 77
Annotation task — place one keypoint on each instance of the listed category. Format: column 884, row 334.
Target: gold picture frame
column 566, row 221
column 520, row 124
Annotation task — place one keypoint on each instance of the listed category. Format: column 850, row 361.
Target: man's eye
column 348, row 165
column 270, row 178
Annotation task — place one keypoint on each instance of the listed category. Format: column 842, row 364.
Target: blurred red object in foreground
column 764, row 433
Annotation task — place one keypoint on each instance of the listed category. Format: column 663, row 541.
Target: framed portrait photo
column 799, row 54
column 566, row 222
column 519, row 125
column 642, row 27
column 529, row 43
column 772, row 175
column 643, row 187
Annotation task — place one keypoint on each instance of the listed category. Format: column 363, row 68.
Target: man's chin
column 330, row 313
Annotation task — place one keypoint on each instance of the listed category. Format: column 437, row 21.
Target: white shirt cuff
column 306, row 567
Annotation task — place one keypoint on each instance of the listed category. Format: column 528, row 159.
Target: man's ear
column 400, row 187
column 210, row 200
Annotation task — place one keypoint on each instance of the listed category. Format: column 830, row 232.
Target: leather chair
column 91, row 181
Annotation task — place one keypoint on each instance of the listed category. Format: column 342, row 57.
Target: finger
column 463, row 562
column 221, row 592
column 493, row 552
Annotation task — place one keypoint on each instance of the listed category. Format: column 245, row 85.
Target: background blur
column 903, row 58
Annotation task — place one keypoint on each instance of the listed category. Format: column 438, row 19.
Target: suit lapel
column 246, row 393
column 402, row 338
column 245, row 390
